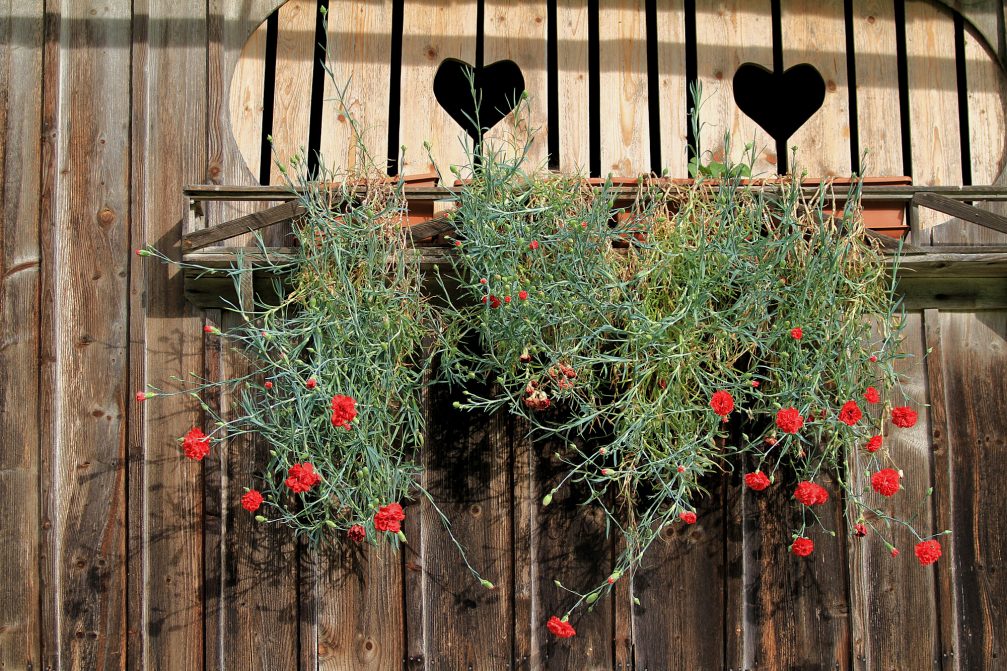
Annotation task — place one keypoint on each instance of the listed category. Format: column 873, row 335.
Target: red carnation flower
column 886, row 481
column 755, row 383
column 344, row 411
column 268, row 384
column 904, row 417
column 207, row 329
column 803, row 547
column 559, row 628
column 811, row 494
column 141, row 397
column 796, row 333
column 850, row 413
column 302, row 477
column 756, row 481
column 195, row 444
column 533, row 244
column 494, row 302
column 860, row 530
column 722, row 403
column 874, row 444
column 789, row 420
column 871, row 395
column 928, row 552
column 895, row 552
column 688, row 517
column 873, row 359
column 507, row 299
column 356, row 533
column 483, row 280
column 251, row 500
column 311, row 383
column 388, row 517
column 522, row 295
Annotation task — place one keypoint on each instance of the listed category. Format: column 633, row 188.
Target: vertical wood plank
column 84, row 335
column 166, row 497
column 672, row 87
column 571, row 546
column 933, row 108
column 528, row 630
column 679, row 623
column 295, row 51
column 431, row 33
column 517, row 32
column 255, row 619
column 987, row 98
column 947, row 602
column 878, row 120
column 975, row 390
column 21, row 40
column 574, row 123
column 359, row 54
column 625, row 116
column 260, row 598
column 245, row 98
column 894, row 611
column 729, row 33
column 468, row 474
column 814, row 31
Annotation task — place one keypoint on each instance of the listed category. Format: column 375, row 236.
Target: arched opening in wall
column 905, row 87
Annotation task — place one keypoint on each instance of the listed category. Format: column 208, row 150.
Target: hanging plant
column 707, row 328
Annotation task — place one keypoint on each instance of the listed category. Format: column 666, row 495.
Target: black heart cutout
column 780, row 102
column 498, row 86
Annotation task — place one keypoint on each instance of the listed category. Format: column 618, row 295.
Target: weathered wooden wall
column 117, row 553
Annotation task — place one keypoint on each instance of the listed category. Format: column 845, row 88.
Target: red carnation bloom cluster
column 251, row 500
column 302, row 477
column 850, row 413
column 811, row 494
column 803, row 547
column 886, row 482
column 789, row 420
column 860, row 530
column 874, row 444
column 904, row 417
column 356, row 533
column 536, row 399
column 560, row 628
column 796, row 333
column 722, row 403
column 927, row 552
column 388, row 517
column 344, row 411
column 871, row 395
column 688, row 517
column 195, row 444
column 756, row 481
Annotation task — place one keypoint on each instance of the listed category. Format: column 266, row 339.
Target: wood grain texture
column 431, row 33
column 946, row 601
column 359, row 54
column 246, row 100
column 797, row 611
column 894, row 610
column 468, row 473
column 672, row 87
column 814, row 31
column 975, row 387
column 166, row 492
column 84, row 335
column 570, row 546
column 729, row 33
column 21, row 40
column 987, row 99
column 625, row 116
column 517, row 32
column 574, row 123
column 295, row 50
column 679, row 623
column 878, row 121
column 933, row 108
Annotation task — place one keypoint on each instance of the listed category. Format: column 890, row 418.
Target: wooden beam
column 246, row 224
column 961, row 210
